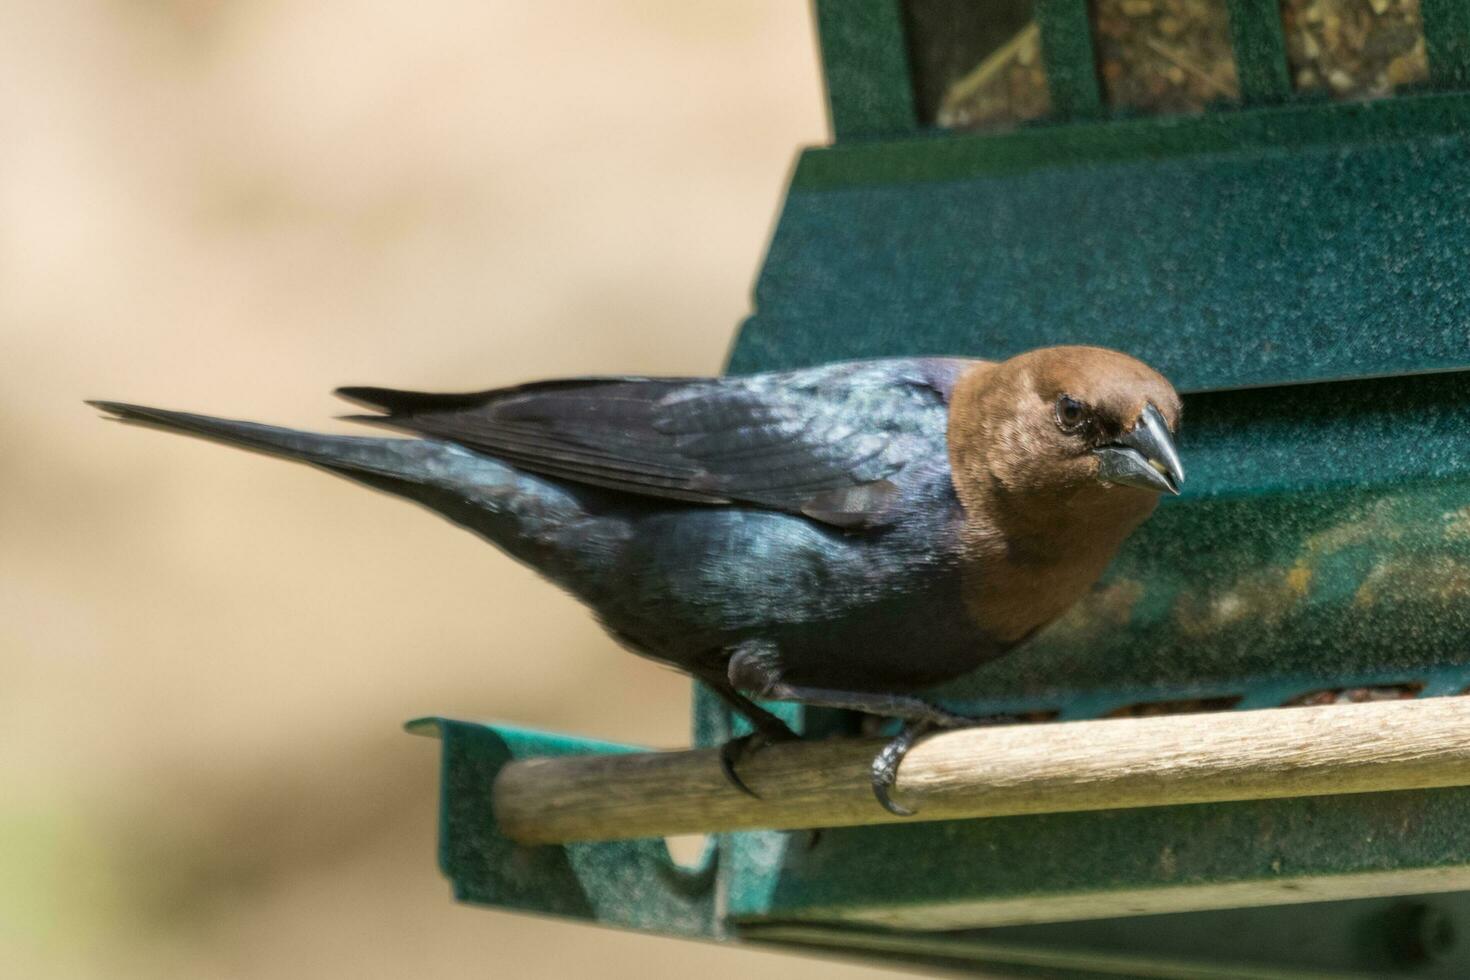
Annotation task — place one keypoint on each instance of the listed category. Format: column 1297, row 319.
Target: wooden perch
column 999, row 771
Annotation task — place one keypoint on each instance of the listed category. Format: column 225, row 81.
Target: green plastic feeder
column 1298, row 263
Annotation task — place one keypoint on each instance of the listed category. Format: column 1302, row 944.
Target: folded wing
column 833, row 443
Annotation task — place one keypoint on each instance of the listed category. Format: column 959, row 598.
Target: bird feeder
column 1242, row 754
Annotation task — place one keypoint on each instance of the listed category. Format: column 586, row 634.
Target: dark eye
column 1071, row 413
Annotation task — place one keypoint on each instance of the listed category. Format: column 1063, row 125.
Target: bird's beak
column 1144, row 457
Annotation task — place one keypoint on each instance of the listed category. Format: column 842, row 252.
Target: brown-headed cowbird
column 839, row 536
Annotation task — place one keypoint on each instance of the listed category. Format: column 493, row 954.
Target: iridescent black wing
column 831, row 443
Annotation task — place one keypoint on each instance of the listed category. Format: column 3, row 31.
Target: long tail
column 535, row 520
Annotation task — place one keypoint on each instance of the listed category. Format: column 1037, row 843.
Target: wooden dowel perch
column 997, row 771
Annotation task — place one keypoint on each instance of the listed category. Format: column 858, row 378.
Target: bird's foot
column 736, row 750
column 885, row 764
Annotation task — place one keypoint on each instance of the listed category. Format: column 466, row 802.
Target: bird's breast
column 1013, row 588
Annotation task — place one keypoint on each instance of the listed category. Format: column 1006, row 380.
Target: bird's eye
column 1071, row 413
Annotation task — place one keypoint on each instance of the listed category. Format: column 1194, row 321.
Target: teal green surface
column 1066, row 51
column 1253, row 267
column 1260, row 51
column 887, row 870
column 1276, row 130
column 1447, row 37
column 632, row 884
column 865, row 62
column 1409, row 935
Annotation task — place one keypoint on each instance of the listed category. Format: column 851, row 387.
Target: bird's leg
column 919, row 717
column 756, row 671
column 760, row 719
column 768, row 729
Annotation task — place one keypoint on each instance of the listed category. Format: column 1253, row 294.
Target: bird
column 843, row 535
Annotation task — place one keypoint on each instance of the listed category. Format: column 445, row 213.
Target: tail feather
column 524, row 514
column 386, row 457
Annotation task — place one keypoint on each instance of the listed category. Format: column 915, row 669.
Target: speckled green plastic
column 887, row 870
column 1066, row 52
column 865, row 61
column 1275, row 130
column 1360, row 938
column 1225, row 269
column 1260, row 51
column 630, row 884
column 1447, row 37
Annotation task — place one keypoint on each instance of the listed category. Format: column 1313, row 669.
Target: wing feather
column 832, row 443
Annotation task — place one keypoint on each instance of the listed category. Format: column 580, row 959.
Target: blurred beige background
column 205, row 656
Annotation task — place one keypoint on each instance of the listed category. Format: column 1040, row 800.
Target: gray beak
column 1145, row 457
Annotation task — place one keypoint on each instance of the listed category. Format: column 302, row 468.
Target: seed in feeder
column 1355, row 48
column 1409, row 68
column 1165, row 56
column 1008, row 86
column 976, row 65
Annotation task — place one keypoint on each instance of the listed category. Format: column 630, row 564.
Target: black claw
column 737, row 749
column 886, row 762
column 731, row 753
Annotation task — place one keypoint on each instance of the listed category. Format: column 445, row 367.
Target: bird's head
column 1073, row 425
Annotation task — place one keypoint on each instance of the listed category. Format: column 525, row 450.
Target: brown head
column 1065, row 432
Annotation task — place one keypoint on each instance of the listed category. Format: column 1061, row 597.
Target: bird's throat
column 1019, row 579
